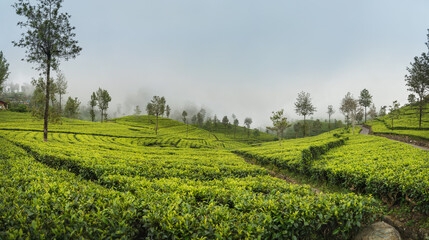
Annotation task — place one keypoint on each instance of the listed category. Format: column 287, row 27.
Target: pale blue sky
column 243, row 57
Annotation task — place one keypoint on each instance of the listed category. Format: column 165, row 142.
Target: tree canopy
column 103, row 99
column 48, row 38
column 279, row 124
column 303, row 106
column 4, row 70
column 365, row 99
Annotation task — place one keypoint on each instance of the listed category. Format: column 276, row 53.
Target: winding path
column 365, row 131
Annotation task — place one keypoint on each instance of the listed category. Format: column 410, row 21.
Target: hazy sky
column 237, row 56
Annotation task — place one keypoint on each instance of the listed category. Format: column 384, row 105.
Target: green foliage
column 394, row 171
column 92, row 104
column 100, row 187
column 4, row 68
column 103, row 99
column 279, row 124
column 20, row 108
column 295, row 154
column 71, row 110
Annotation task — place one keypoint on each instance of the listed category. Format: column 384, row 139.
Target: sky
column 241, row 57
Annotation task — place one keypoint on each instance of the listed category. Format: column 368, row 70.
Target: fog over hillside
column 247, row 58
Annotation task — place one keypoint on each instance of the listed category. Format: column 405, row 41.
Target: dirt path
column 365, row 131
column 276, row 174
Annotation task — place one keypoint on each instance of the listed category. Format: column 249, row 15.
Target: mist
column 246, row 58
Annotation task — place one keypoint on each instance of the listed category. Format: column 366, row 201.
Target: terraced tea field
column 102, row 182
column 93, row 180
column 406, row 125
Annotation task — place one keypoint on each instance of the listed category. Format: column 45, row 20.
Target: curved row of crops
column 394, row 171
column 111, row 187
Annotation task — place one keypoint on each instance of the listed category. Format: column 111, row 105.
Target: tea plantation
column 120, row 180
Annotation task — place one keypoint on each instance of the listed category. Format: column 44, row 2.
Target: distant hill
column 407, row 124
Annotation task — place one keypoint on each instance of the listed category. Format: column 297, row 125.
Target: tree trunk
column 280, row 138
column 101, row 115
column 60, row 104
column 420, row 114
column 235, row 129
column 156, row 127
column 329, row 122
column 304, row 127
column 392, row 123
column 365, row 114
column 48, row 84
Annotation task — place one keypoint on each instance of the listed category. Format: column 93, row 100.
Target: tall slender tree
column 48, row 38
column 304, row 107
column 365, row 99
column 394, row 111
column 4, row 70
column 185, row 121
column 61, row 86
column 92, row 104
column 236, row 122
column 372, row 113
column 248, row 121
column 225, row 122
column 349, row 107
column 330, row 112
column 167, row 111
column 417, row 81
column 279, row 124
column 103, row 99
column 158, row 107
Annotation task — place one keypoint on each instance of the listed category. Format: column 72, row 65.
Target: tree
column 167, row 111
column 225, row 122
column 194, row 119
column 303, row 106
column 48, row 39
column 317, row 126
column 382, row 112
column 137, row 110
column 394, row 111
column 158, row 105
column 92, row 104
column 215, row 122
column 236, row 122
column 349, row 108
column 38, row 101
column 279, row 124
column 71, row 110
column 359, row 115
column 256, row 133
column 411, row 99
column 372, row 113
column 297, row 128
column 103, row 99
column 248, row 121
column 200, row 117
column 149, row 111
column 365, row 99
column 61, row 86
column 184, row 115
column 417, row 80
column 4, row 68
column 330, row 112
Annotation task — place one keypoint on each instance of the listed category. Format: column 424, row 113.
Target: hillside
column 119, row 179
column 110, row 185
column 406, row 125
